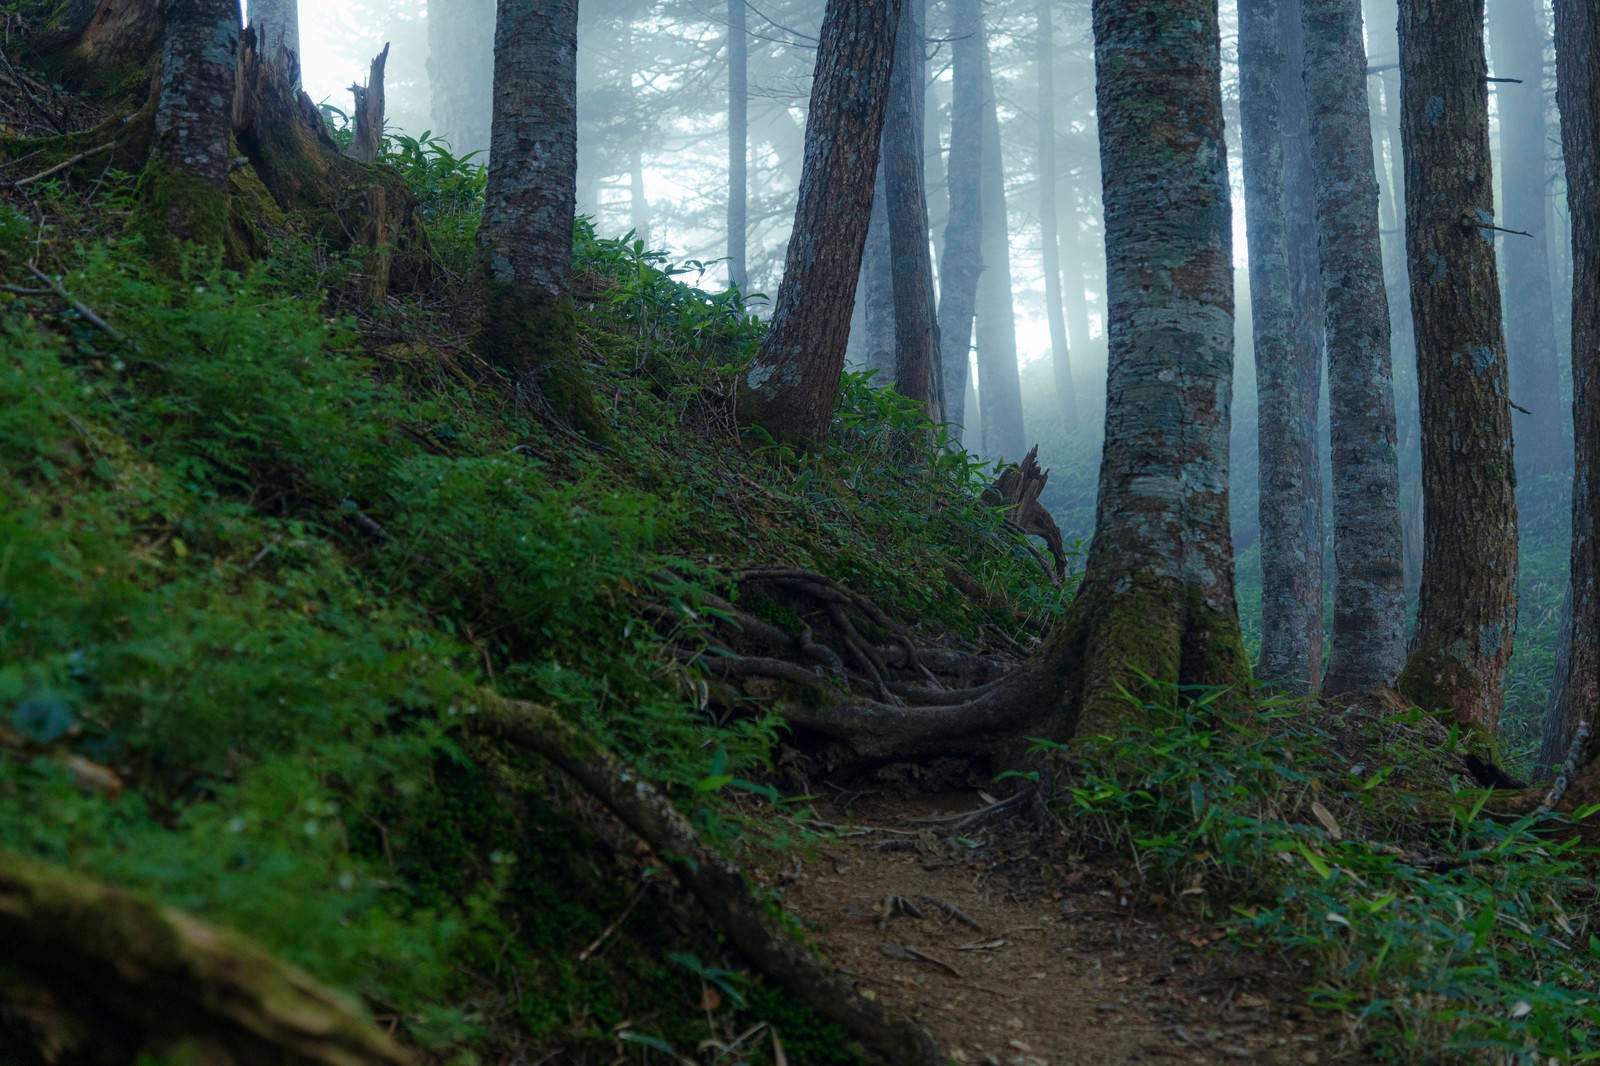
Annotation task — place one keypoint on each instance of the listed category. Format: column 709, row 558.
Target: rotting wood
column 1018, row 489
column 368, row 112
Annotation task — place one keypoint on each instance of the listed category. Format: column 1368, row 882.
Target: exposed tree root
column 96, row 974
column 716, row 882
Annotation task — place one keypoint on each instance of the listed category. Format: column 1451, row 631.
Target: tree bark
column 738, row 144
column 962, row 263
column 916, row 339
column 1577, row 34
column 185, row 182
column 999, row 387
column 1157, row 596
column 1467, row 613
column 368, row 140
column 1518, row 39
column 1369, row 590
column 1049, row 226
column 525, row 240
column 1290, row 504
column 791, row 388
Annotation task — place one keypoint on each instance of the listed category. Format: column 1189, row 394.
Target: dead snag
column 368, row 113
column 85, row 967
column 1017, row 489
column 717, row 883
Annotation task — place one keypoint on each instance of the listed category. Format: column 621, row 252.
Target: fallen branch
column 143, row 977
column 716, row 882
column 59, row 167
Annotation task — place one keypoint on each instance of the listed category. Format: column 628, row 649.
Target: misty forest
column 716, row 532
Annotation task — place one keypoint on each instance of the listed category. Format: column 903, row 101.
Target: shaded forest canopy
column 361, row 703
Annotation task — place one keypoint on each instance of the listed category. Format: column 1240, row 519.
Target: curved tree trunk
column 962, row 262
column 791, row 388
column 1467, row 614
column 1291, row 570
column 916, row 335
column 1157, row 596
column 1369, row 590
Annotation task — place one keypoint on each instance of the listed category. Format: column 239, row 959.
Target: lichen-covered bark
column 1518, row 37
column 999, row 387
column 916, row 338
column 1291, row 556
column 1467, row 613
column 1049, row 225
column 791, row 388
column 962, row 259
column 184, row 184
column 1157, row 596
column 461, row 72
column 277, row 26
column 1577, row 34
column 525, row 241
column 1369, row 608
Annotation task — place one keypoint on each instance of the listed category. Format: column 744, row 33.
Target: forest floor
column 1014, row 954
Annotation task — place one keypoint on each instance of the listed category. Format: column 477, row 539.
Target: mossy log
column 94, row 974
column 717, row 883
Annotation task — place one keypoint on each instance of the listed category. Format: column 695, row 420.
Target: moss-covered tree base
column 534, row 338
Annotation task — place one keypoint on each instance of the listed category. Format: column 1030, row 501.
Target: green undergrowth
column 257, row 555
column 1440, row 935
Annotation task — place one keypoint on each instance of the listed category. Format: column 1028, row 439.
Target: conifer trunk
column 1577, row 34
column 1291, row 594
column 738, row 144
column 916, row 339
column 791, row 388
column 277, row 26
column 1157, row 596
column 1369, row 591
column 999, row 387
column 1467, row 613
column 962, row 261
column 1049, row 226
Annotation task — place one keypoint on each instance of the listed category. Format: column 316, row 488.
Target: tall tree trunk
column 1049, row 227
column 1305, row 288
column 461, row 72
column 791, row 388
column 277, row 26
column 1577, row 34
column 1157, row 596
column 876, row 288
column 999, row 386
column 1291, row 593
column 1518, row 29
column 186, row 178
column 963, row 256
column 738, row 144
column 525, row 240
column 1467, row 613
column 916, row 339
column 1369, row 590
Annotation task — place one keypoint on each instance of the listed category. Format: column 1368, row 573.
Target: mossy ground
column 256, row 555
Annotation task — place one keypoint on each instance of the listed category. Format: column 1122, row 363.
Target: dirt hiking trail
column 1012, row 954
